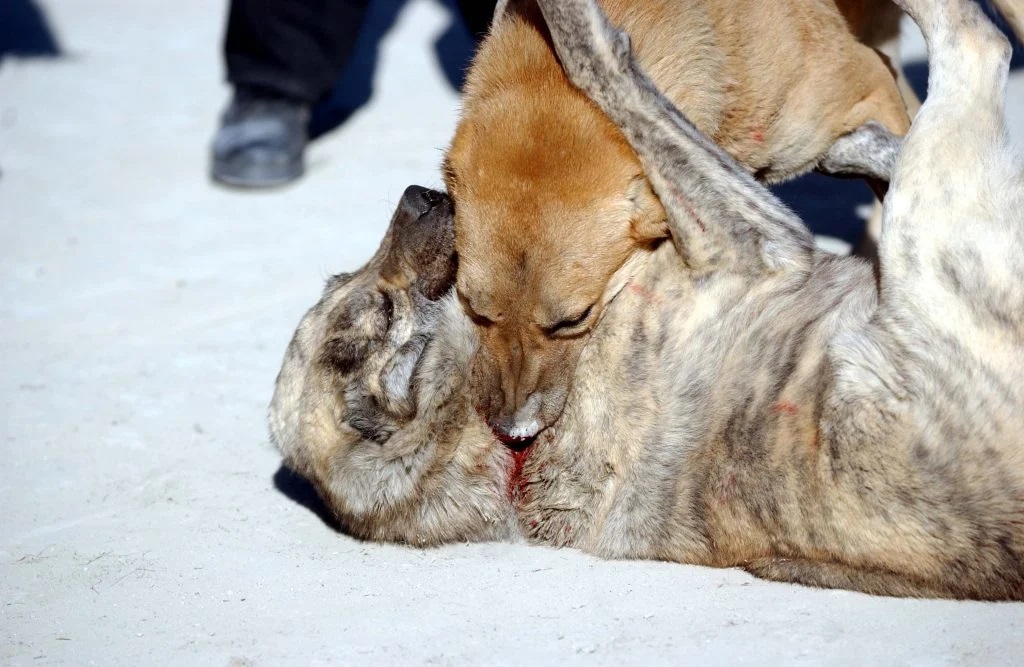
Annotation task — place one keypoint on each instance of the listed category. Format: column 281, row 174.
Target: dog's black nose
column 419, row 200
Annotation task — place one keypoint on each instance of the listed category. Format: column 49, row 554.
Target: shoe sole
column 257, row 180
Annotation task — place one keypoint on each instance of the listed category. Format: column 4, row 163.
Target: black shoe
column 261, row 141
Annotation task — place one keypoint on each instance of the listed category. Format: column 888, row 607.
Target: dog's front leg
column 720, row 217
column 870, row 151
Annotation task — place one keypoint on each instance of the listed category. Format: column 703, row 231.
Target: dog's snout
column 419, row 200
column 525, row 380
column 519, row 421
column 432, row 197
column 511, row 431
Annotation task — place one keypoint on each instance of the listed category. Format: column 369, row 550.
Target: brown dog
column 551, row 201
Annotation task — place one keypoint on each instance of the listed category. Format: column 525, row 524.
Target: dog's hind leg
column 720, row 217
column 830, row 574
column 928, row 393
column 952, row 244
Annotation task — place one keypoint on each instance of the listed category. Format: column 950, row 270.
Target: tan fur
column 1013, row 12
column 550, row 199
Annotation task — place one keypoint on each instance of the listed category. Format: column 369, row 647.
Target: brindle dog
column 745, row 400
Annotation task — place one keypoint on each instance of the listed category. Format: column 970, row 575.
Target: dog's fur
column 1013, row 13
column 745, row 401
column 551, row 201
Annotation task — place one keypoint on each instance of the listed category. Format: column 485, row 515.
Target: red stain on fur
column 696, row 218
column 786, row 408
column 644, row 293
column 516, row 482
column 757, row 133
column 689, row 209
column 728, row 488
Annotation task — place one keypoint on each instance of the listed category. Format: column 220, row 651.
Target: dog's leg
column 870, row 150
column 824, row 574
column 927, row 395
column 953, row 225
column 720, row 217
column 883, row 35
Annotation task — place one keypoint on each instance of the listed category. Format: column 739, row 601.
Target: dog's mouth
column 513, row 443
column 517, row 439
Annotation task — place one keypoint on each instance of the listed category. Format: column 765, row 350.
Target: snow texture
column 143, row 316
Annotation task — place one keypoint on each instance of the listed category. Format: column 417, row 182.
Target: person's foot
column 261, row 141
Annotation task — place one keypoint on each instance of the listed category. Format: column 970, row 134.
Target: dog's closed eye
column 569, row 325
column 478, row 319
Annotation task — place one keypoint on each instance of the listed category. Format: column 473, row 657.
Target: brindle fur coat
column 745, row 400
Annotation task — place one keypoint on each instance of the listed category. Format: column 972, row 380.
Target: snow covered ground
column 143, row 316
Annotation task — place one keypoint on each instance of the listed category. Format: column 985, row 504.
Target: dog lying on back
column 551, row 200
column 745, row 400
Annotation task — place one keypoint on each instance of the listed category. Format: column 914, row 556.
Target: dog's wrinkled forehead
column 356, row 325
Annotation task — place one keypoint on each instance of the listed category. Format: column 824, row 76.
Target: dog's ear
column 421, row 249
column 649, row 222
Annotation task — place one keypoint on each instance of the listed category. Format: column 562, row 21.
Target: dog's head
column 372, row 404
column 551, row 203
column 348, row 374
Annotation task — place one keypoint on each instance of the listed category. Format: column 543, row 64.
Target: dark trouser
column 477, row 15
column 298, row 48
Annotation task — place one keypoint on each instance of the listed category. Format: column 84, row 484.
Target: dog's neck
column 681, row 365
column 681, row 371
